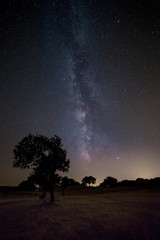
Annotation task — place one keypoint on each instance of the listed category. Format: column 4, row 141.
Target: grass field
column 124, row 215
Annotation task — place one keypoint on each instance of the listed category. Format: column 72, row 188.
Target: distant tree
column 85, row 181
column 109, row 181
column 65, row 182
column 27, row 186
column 45, row 156
column 126, row 183
column 72, row 182
column 140, row 181
column 88, row 180
column 92, row 180
column 155, row 182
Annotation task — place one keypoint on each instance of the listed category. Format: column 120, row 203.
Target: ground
column 124, row 215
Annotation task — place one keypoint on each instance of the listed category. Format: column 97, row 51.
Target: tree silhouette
column 109, row 181
column 88, row 180
column 42, row 180
column 65, row 182
column 45, row 156
column 27, row 185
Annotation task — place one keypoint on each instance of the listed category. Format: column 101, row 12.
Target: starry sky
column 87, row 71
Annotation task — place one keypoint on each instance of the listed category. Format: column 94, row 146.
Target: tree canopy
column 109, row 181
column 44, row 155
column 27, row 185
column 88, row 180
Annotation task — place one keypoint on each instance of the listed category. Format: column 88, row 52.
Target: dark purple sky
column 89, row 72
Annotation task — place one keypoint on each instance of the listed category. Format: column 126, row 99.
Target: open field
column 124, row 215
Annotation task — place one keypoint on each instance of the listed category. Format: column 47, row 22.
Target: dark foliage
column 109, row 181
column 45, row 156
column 66, row 182
column 88, row 180
column 126, row 183
column 27, row 186
column 141, row 182
column 8, row 189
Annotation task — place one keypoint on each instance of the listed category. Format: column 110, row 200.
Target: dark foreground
column 126, row 215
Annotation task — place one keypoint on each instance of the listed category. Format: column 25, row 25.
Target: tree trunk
column 52, row 192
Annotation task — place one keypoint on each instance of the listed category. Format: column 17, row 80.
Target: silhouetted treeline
column 8, row 188
column 70, row 182
column 140, row 182
column 27, row 186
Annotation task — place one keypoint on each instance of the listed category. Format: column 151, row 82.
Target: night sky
column 87, row 71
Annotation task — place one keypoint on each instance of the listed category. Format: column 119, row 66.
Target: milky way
column 81, row 77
